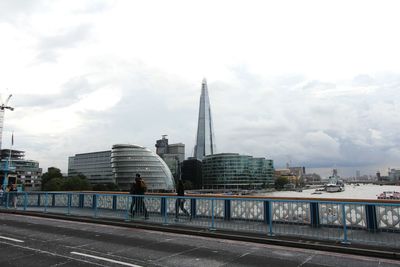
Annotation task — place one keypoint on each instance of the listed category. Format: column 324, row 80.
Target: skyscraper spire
column 205, row 141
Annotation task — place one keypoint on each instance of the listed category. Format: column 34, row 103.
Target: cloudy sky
column 312, row 83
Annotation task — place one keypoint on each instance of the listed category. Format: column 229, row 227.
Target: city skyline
column 310, row 84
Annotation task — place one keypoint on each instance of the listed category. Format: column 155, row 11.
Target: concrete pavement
column 33, row 241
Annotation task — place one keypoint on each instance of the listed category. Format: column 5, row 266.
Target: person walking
column 180, row 202
column 138, row 189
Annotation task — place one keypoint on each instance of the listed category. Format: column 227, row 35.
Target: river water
column 368, row 191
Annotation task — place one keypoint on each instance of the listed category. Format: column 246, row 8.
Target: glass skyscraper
column 205, row 141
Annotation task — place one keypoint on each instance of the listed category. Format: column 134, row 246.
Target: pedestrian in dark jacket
column 180, row 202
column 138, row 189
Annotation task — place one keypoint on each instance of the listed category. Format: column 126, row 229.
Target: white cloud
column 308, row 82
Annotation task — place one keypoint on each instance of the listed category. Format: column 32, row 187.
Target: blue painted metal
column 114, row 202
column 314, row 213
column 164, row 210
column 25, row 200
column 344, row 222
column 227, row 209
column 95, row 205
column 370, row 211
column 193, row 208
column 212, row 215
column 287, row 217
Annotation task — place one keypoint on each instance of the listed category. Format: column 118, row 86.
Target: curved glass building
column 127, row 160
column 231, row 170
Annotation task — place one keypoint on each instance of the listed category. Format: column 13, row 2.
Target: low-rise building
column 231, row 170
column 20, row 170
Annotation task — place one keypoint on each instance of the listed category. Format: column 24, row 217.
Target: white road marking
column 105, row 259
column 12, row 239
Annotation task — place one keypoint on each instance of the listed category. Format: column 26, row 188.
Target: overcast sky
column 312, row 83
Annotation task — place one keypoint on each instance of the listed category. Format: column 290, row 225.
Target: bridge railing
column 370, row 222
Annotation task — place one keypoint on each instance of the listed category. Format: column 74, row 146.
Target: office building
column 191, row 170
column 205, row 139
column 172, row 154
column 96, row 166
column 231, row 170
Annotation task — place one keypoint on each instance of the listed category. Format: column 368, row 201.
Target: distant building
column 394, row 175
column 192, row 171
column 172, row 154
column 96, row 166
column 127, row 160
column 20, row 170
column 292, row 178
column 231, row 170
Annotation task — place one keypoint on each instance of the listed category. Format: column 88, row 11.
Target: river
column 368, row 191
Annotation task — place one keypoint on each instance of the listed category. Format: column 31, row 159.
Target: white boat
column 389, row 195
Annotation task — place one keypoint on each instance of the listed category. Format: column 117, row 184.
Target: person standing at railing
column 138, row 188
column 180, row 202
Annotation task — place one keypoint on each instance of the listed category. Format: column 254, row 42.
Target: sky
column 309, row 83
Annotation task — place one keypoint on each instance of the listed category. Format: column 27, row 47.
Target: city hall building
column 120, row 164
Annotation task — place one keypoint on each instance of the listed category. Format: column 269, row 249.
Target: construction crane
column 3, row 107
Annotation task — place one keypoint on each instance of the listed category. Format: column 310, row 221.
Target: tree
column 106, row 187
column 187, row 185
column 55, row 184
column 76, row 183
column 52, row 172
column 281, row 181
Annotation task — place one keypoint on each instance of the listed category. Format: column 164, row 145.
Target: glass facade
column 127, row 160
column 231, row 170
column 205, row 140
column 96, row 166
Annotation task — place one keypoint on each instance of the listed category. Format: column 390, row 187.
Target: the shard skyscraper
column 205, row 140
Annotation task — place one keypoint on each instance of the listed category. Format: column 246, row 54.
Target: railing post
column 25, row 200
column 370, row 212
column 46, row 199
column 7, row 199
column 53, row 201
column 39, row 199
column 164, row 210
column 95, row 205
column 266, row 211
column 81, row 201
column 212, row 215
column 344, row 222
column 227, row 209
column 69, row 203
column 193, row 207
column 268, row 216
column 314, row 213
column 114, row 202
column 128, row 205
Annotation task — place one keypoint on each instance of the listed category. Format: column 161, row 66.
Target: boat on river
column 389, row 195
column 335, row 184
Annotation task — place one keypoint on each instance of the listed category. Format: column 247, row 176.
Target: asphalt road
column 32, row 241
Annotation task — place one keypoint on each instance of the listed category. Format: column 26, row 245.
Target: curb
column 220, row 234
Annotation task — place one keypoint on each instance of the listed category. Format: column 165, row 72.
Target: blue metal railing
column 366, row 222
